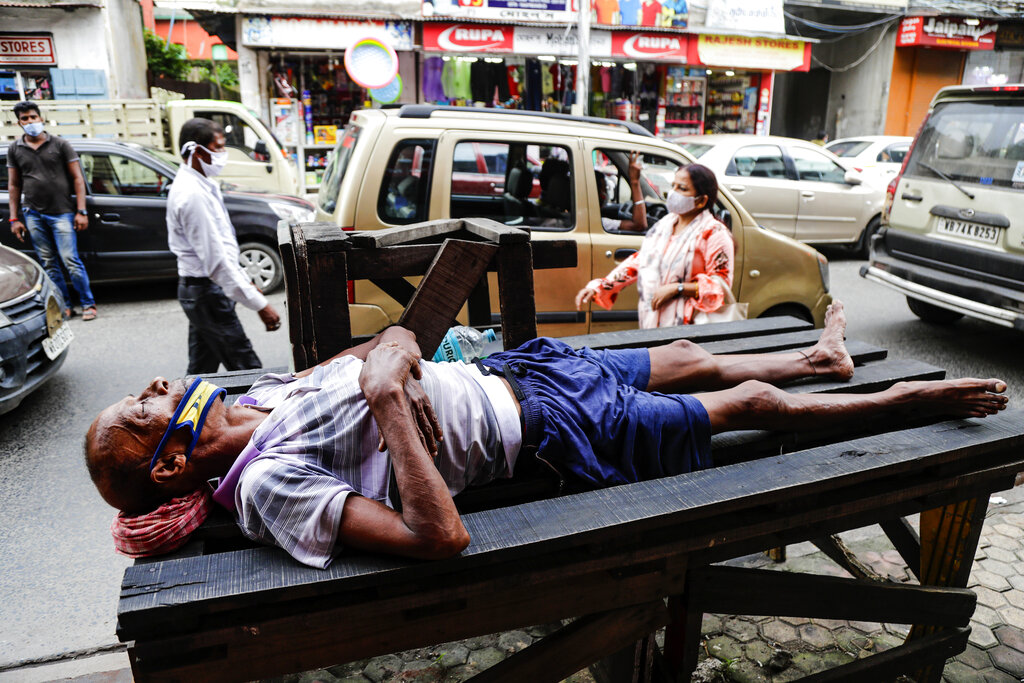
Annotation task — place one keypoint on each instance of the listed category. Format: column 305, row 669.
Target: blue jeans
column 53, row 236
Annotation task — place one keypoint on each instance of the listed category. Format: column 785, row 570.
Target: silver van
column 953, row 224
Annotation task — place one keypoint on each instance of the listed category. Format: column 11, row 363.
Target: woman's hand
column 584, row 296
column 665, row 294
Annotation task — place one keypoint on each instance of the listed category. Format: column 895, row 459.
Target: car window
column 697, row 149
column 758, row 161
column 113, row 174
column 973, row 142
column 848, row 148
column 337, row 164
column 239, row 137
column 815, row 166
column 893, row 153
column 513, row 183
column 611, row 176
column 405, row 193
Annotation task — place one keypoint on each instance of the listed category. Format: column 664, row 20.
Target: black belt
column 190, row 281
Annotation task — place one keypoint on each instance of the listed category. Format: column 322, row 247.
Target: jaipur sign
column 959, row 33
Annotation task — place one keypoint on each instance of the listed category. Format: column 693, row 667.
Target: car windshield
column 972, row 142
column 697, row 149
column 161, row 156
column 337, row 164
column 848, row 148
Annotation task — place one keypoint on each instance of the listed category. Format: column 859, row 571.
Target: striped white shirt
column 319, row 445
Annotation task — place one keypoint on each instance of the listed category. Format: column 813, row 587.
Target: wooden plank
column 452, row 276
column 886, row 666
column 906, row 541
column 763, row 592
column 493, row 231
column 299, row 303
column 515, row 294
column 837, row 551
column 577, row 645
column 682, row 635
column 331, row 331
column 701, row 334
column 625, row 512
column 389, row 237
column 413, row 260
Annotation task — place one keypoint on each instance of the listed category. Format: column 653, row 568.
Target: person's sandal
column 89, row 313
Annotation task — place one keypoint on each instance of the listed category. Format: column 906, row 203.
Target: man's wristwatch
column 82, row 212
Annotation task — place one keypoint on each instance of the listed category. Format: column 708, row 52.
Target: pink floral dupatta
column 703, row 253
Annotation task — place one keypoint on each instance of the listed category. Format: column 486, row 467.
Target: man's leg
column 216, row 324
column 758, row 405
column 683, row 366
column 46, row 250
column 63, row 229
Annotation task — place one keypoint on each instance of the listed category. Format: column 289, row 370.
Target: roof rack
column 425, row 111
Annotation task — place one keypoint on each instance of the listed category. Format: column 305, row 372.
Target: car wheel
column 862, row 247
column 262, row 264
column 788, row 309
column 931, row 313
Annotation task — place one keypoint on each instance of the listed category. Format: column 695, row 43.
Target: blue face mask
column 190, row 415
column 33, row 129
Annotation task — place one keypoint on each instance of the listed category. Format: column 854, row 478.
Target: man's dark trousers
column 215, row 334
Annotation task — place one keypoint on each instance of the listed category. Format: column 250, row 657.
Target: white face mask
column 679, row 203
column 33, row 129
column 217, row 159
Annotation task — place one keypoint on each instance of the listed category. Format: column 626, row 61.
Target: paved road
column 59, row 577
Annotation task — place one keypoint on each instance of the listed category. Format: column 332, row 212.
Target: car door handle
column 109, row 217
column 738, row 188
column 622, row 254
column 912, row 197
column 270, row 168
column 807, row 194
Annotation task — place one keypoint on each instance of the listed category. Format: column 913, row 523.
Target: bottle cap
column 489, row 335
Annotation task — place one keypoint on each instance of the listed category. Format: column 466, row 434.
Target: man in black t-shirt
column 46, row 168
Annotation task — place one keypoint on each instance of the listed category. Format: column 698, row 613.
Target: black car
column 34, row 339
column 127, row 236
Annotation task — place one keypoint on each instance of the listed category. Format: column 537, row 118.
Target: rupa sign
column 467, row 38
column 960, row 33
column 649, row 46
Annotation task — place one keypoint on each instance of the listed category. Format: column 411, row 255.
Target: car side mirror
column 261, row 148
column 852, row 178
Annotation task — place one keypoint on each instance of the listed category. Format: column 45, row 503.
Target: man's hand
column 81, row 222
column 423, row 413
column 388, row 368
column 584, row 296
column 270, row 318
column 18, row 228
column 664, row 294
column 636, row 165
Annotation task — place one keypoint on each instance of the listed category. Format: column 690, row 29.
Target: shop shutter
column 79, row 84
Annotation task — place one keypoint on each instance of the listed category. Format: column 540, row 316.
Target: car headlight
column 823, row 269
column 299, row 214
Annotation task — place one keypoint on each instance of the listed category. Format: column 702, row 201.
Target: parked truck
column 255, row 158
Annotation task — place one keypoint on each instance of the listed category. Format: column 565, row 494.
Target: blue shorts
column 587, row 413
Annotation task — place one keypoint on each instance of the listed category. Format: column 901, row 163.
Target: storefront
column 28, row 71
column 303, row 86
column 1002, row 65
column 930, row 54
column 673, row 83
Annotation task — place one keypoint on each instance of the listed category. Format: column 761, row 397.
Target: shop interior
column 33, row 84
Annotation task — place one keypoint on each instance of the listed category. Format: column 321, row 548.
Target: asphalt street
column 59, row 576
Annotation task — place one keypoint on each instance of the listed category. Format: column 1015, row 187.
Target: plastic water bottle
column 463, row 343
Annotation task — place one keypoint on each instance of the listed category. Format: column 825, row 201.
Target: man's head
column 203, row 132
column 29, row 117
column 121, row 441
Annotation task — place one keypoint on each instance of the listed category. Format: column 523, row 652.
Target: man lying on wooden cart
column 303, row 460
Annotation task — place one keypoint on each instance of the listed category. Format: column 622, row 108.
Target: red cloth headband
column 162, row 530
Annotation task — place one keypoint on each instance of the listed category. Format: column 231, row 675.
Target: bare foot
column 829, row 356
column 968, row 397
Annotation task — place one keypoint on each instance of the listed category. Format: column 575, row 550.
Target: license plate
column 55, row 344
column 972, row 231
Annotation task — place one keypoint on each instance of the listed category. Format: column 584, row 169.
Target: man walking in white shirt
column 210, row 281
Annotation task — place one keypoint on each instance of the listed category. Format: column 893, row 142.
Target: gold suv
column 540, row 171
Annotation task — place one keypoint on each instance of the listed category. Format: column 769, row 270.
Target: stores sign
column 778, row 54
column 948, row 32
column 21, row 49
column 327, row 34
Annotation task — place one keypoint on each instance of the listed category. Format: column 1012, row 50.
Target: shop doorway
column 917, row 74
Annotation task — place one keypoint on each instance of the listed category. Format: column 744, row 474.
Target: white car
column 879, row 156
column 794, row 187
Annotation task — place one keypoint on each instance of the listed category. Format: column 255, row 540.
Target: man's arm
column 14, row 201
column 399, row 335
column 638, row 222
column 429, row 526
column 75, row 169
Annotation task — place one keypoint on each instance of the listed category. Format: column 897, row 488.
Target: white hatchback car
column 878, row 156
column 794, row 187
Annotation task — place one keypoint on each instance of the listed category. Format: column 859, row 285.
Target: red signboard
column 959, row 33
column 23, row 49
column 467, row 37
column 649, row 46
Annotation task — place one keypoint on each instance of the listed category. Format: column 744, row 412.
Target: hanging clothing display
column 432, row 88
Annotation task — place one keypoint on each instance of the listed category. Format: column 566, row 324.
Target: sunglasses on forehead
column 190, row 415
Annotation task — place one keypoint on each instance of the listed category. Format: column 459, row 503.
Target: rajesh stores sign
column 949, row 32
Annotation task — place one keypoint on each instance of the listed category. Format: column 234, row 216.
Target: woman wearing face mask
column 685, row 263
column 210, row 280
